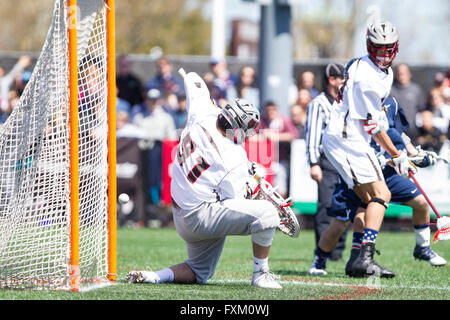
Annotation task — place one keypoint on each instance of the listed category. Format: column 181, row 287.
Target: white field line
column 371, row 285
column 91, row 287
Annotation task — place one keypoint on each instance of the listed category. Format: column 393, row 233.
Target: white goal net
column 35, row 164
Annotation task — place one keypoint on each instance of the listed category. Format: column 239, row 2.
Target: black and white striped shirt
column 317, row 117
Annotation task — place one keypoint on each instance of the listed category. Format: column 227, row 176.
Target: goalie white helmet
column 239, row 119
column 382, row 43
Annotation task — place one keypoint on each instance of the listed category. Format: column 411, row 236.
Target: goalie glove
column 402, row 165
column 375, row 125
column 424, row 158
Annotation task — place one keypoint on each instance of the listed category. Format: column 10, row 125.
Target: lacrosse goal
column 57, row 158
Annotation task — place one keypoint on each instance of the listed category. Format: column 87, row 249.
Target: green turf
column 289, row 258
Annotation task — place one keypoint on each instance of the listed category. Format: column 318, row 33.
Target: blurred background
column 263, row 50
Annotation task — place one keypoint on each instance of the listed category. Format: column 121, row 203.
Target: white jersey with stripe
column 362, row 94
column 208, row 166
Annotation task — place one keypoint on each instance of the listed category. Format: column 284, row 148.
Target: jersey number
column 185, row 149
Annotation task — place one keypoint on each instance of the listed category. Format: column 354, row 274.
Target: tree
column 177, row 26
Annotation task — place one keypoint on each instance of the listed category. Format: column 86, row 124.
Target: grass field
column 290, row 258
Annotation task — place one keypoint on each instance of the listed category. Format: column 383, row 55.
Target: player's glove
column 373, row 125
column 402, row 165
column 256, row 169
column 424, row 158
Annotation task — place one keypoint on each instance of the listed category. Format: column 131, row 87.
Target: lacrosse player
column 346, row 206
column 355, row 118
column 209, row 190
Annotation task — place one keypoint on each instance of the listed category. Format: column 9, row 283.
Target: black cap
column 334, row 70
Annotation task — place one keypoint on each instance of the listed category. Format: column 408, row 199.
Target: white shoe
column 142, row 277
column 437, row 261
column 265, row 279
column 317, row 272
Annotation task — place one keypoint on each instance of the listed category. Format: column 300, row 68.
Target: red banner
column 258, row 150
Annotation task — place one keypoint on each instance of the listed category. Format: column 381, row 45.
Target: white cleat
column 317, row 272
column 142, row 277
column 265, row 279
column 437, row 261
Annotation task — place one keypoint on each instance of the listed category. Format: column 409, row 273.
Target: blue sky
column 424, row 26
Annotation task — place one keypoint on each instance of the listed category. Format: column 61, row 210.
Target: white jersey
column 362, row 94
column 208, row 166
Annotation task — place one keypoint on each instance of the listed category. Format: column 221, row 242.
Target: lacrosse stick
column 445, row 160
column 439, row 157
column 443, row 223
column 288, row 221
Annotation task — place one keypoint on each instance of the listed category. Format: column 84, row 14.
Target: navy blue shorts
column 345, row 202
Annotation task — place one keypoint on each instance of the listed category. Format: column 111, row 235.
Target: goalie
column 209, row 189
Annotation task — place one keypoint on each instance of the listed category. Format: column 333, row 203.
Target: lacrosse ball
column 123, row 198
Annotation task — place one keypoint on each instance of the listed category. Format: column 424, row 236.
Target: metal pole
column 275, row 55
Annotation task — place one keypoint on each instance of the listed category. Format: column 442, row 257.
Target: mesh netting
column 34, row 161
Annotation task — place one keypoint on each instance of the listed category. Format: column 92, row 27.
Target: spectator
column 125, row 129
column 440, row 110
column 122, row 104
column 428, row 136
column 13, row 99
column 179, row 115
column 440, row 82
column 214, row 91
column 307, row 81
column 156, row 125
column 165, row 80
column 21, row 81
column 223, row 82
column 7, row 80
column 245, row 87
column 129, row 85
column 152, row 97
column 298, row 111
column 298, row 117
column 280, row 130
column 408, row 94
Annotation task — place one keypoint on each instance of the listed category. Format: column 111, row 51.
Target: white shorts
column 355, row 161
column 205, row 228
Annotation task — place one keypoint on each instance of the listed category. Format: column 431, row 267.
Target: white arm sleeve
column 196, row 90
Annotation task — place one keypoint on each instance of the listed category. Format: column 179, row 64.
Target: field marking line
column 337, row 284
column 96, row 286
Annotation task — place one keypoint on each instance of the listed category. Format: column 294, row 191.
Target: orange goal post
column 58, row 158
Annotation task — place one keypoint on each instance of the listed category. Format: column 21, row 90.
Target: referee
column 321, row 170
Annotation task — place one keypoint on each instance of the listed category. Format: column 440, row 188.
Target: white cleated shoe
column 437, row 261
column 427, row 254
column 265, row 279
column 142, row 277
column 317, row 272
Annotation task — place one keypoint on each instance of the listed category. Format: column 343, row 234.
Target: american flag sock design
column 370, row 235
column 357, row 240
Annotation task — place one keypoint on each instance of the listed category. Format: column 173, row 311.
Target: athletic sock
column 422, row 235
column 370, row 235
column 165, row 275
column 259, row 264
column 321, row 258
column 357, row 240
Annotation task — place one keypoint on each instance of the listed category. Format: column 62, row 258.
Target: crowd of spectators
column 154, row 109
